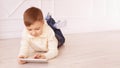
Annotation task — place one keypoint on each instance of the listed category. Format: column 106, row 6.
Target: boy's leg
column 58, row 32
column 60, row 39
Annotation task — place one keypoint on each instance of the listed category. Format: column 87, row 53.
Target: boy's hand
column 21, row 61
column 39, row 56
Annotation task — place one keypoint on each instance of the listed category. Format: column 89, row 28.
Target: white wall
column 11, row 15
column 89, row 15
column 81, row 15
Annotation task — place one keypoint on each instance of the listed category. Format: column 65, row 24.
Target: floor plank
column 84, row 50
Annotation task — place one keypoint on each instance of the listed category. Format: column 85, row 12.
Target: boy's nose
column 33, row 33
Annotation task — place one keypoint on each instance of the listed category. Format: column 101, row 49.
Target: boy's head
column 33, row 20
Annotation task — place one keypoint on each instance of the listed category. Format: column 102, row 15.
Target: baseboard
column 10, row 35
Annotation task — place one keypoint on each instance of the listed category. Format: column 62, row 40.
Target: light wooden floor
column 85, row 50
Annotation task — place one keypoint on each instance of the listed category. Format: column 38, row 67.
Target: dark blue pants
column 58, row 32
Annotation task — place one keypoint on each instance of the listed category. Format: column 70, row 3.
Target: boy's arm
column 24, row 48
column 52, row 48
column 24, row 44
column 52, row 45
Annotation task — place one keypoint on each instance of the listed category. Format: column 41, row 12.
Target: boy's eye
column 29, row 29
column 37, row 29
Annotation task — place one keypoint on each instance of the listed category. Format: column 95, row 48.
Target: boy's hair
column 31, row 15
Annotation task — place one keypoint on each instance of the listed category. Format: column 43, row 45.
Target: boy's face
column 35, row 29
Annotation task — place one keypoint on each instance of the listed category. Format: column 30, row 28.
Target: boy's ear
column 42, row 21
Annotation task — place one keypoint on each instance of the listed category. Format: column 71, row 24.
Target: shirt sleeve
column 24, row 46
column 52, row 45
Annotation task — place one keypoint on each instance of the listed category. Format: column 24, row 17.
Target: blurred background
column 81, row 15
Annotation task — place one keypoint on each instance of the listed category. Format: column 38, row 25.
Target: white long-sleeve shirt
column 45, row 42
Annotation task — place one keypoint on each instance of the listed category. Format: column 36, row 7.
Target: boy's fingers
column 42, row 57
column 22, row 57
column 21, row 62
column 37, row 56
